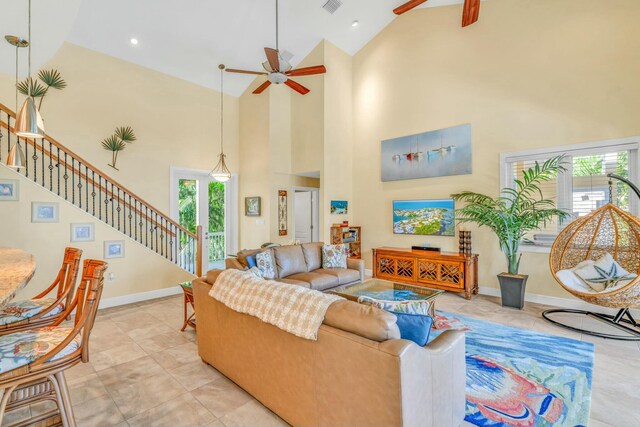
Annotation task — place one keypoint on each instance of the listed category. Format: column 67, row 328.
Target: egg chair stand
column 591, row 237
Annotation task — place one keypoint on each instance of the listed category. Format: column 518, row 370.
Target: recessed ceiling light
column 134, row 41
column 355, row 23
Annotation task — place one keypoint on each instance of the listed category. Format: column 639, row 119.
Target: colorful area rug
column 517, row 377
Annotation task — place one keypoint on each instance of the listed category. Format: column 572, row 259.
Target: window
column 584, row 187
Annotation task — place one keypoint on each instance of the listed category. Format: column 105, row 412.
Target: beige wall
column 177, row 124
column 529, row 74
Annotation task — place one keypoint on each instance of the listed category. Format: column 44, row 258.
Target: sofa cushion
column 344, row 275
column 319, row 282
column 212, row 275
column 334, row 256
column 266, row 264
column 289, row 260
column 242, row 255
column 312, row 255
column 414, row 327
column 295, row 282
column 363, row 320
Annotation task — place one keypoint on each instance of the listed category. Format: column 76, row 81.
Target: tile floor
column 145, row 372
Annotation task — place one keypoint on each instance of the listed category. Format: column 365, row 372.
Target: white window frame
column 565, row 182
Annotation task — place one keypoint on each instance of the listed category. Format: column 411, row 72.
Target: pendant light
column 16, row 158
column 29, row 123
column 221, row 172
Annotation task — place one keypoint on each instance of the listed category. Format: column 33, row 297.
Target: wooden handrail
column 55, row 143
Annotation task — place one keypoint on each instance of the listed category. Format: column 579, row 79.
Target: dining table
column 17, row 267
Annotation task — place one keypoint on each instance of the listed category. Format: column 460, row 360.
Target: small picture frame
column 82, row 232
column 252, row 206
column 339, row 207
column 9, row 190
column 45, row 212
column 113, row 249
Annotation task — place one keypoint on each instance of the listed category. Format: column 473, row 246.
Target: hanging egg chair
column 608, row 232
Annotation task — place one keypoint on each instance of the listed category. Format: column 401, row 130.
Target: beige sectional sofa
column 302, row 265
column 358, row 372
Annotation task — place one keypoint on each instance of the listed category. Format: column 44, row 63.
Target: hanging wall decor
column 118, row 142
column 282, row 213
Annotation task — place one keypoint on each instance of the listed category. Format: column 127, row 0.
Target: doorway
column 306, row 214
column 197, row 199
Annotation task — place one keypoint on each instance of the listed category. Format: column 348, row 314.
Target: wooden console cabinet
column 438, row 270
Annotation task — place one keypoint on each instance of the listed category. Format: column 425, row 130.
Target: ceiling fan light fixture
column 221, row 172
column 278, row 78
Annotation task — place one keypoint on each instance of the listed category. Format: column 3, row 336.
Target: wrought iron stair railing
column 69, row 176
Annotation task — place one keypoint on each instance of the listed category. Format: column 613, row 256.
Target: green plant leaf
column 113, row 143
column 125, row 133
column 32, row 87
column 52, row 79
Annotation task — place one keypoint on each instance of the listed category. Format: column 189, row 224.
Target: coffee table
column 389, row 291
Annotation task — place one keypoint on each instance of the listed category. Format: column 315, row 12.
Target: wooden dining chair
column 32, row 362
column 42, row 310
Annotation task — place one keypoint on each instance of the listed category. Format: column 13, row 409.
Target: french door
column 198, row 199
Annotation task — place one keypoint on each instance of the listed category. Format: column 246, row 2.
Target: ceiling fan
column 278, row 70
column 470, row 11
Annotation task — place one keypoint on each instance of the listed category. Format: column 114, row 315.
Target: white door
column 303, row 209
column 200, row 200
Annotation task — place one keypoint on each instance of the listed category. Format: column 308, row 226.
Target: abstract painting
column 339, row 207
column 518, row 377
column 282, row 213
column 443, row 152
column 424, row 217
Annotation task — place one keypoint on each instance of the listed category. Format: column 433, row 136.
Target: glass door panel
column 216, row 220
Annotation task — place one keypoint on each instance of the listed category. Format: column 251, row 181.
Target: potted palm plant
column 511, row 215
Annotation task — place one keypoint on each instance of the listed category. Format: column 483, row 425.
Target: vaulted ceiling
column 188, row 39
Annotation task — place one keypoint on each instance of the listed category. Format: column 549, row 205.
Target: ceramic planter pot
column 512, row 287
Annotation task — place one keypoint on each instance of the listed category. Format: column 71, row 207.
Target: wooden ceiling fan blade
column 307, row 71
column 470, row 12
column 262, row 88
column 297, row 87
column 231, row 70
column 408, row 6
column 273, row 58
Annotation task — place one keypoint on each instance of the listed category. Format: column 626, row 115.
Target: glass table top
column 387, row 291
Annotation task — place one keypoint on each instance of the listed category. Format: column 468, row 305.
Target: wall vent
column 332, row 5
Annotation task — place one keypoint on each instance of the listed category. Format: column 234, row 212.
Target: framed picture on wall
column 9, row 189
column 252, row 206
column 339, row 207
column 113, row 249
column 83, row 232
column 44, row 212
column 282, row 213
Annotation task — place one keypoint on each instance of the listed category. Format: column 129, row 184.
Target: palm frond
column 125, row 133
column 32, row 87
column 113, row 143
column 52, row 79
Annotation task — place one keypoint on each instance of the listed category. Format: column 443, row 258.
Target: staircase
column 69, row 176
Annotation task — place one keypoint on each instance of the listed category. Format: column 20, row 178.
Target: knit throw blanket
column 294, row 309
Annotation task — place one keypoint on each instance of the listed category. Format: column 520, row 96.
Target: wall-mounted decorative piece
column 424, row 217
column 252, row 206
column 282, row 212
column 117, row 142
column 339, row 207
column 39, row 88
column 44, row 212
column 431, row 154
column 82, row 232
column 113, row 249
column 9, row 190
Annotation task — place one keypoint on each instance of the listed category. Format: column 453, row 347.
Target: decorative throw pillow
column 414, row 327
column 251, row 261
column 420, row 307
column 266, row 264
column 334, row 256
column 603, row 274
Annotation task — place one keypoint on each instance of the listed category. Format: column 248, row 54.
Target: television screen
column 424, row 217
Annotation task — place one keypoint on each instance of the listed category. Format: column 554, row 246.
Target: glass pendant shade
column 29, row 123
column 221, row 172
column 16, row 158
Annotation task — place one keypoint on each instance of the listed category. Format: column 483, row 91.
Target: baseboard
column 142, row 296
column 368, row 272
column 572, row 303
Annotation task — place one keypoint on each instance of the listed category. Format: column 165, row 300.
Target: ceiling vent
column 332, row 5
